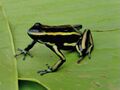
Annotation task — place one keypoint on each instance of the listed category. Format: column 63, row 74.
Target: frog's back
column 61, row 28
column 55, row 34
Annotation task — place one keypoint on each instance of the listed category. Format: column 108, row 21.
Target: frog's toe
column 24, row 53
column 49, row 67
column 42, row 72
column 49, row 70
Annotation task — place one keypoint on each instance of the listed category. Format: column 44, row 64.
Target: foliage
column 99, row 73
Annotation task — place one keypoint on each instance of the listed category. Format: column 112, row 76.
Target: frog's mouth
column 32, row 35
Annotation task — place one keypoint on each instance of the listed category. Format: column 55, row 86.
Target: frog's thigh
column 55, row 49
column 87, row 42
column 84, row 42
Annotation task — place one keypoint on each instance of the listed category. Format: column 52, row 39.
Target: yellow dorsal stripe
column 54, row 33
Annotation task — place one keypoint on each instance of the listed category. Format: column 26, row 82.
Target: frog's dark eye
column 35, row 30
column 37, row 24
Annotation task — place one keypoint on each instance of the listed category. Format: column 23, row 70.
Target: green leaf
column 28, row 85
column 99, row 73
column 8, row 72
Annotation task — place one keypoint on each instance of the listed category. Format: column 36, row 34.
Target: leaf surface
column 8, row 70
column 99, row 73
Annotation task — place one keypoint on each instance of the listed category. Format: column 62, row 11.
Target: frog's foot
column 89, row 54
column 23, row 52
column 81, row 58
column 49, row 70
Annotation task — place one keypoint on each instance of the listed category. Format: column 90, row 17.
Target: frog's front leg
column 85, row 45
column 25, row 51
column 55, row 67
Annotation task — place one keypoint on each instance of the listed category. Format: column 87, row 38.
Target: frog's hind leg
column 55, row 67
column 90, row 45
column 85, row 45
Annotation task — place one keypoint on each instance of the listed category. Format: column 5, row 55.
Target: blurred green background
column 99, row 73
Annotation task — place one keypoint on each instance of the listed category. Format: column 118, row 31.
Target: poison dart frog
column 56, row 38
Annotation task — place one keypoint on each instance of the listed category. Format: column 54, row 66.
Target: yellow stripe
column 89, row 49
column 91, row 39
column 53, row 33
column 56, row 50
column 69, row 44
column 84, row 40
column 51, row 44
column 56, row 65
column 78, row 50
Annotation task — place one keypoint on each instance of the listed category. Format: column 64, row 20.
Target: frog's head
column 36, row 28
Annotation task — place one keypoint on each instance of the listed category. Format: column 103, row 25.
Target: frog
column 59, row 37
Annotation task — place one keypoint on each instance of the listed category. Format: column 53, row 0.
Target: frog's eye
column 35, row 30
column 37, row 24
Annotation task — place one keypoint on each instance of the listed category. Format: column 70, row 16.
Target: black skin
column 42, row 34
